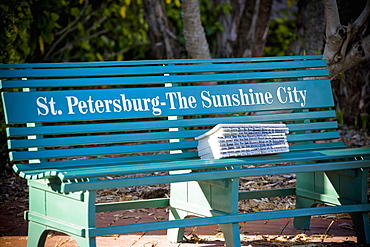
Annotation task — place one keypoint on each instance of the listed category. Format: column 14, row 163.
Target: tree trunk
column 352, row 96
column 163, row 41
column 195, row 39
column 225, row 40
column 347, row 52
column 346, row 46
column 310, row 28
column 252, row 29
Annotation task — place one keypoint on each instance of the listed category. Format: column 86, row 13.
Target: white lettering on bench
column 42, row 102
column 236, row 99
column 106, row 106
column 158, row 102
column 287, row 95
column 182, row 101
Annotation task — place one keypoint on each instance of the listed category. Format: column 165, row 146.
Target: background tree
column 346, row 46
column 195, row 39
column 252, row 27
column 86, row 30
column 310, row 28
column 16, row 19
column 347, row 52
column 345, row 49
column 239, row 27
column 164, row 42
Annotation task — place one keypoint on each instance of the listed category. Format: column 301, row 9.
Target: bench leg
column 344, row 187
column 362, row 227
column 353, row 186
column 37, row 234
column 305, row 182
column 231, row 234
column 85, row 242
column 303, row 222
column 71, row 213
column 206, row 199
column 175, row 235
column 223, row 196
column 231, row 231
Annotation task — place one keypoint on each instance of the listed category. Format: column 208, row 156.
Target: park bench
column 75, row 128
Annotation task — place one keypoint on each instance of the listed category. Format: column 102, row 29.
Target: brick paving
column 330, row 230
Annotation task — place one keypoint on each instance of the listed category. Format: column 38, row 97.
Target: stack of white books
column 234, row 140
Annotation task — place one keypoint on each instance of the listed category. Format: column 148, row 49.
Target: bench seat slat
column 147, row 167
column 210, row 175
column 199, row 68
column 43, row 165
column 37, row 168
column 150, row 125
column 206, row 164
column 137, row 137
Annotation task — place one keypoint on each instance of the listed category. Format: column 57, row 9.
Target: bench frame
column 327, row 173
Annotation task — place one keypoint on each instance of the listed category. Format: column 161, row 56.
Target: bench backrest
column 86, row 114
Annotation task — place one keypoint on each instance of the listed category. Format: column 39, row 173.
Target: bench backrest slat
column 94, row 151
column 106, row 104
column 160, row 69
column 160, row 79
column 166, row 124
column 141, row 148
column 137, row 137
column 111, row 150
column 151, row 62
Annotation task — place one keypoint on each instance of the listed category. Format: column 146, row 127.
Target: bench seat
column 79, row 171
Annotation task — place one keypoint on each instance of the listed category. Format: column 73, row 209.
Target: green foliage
column 340, row 117
column 173, row 11
column 16, row 19
column 100, row 30
column 209, row 16
column 67, row 30
column 87, row 30
column 365, row 120
column 281, row 33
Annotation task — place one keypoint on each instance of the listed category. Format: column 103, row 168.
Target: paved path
column 13, row 232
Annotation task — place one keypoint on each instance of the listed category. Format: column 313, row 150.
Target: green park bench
column 72, row 125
